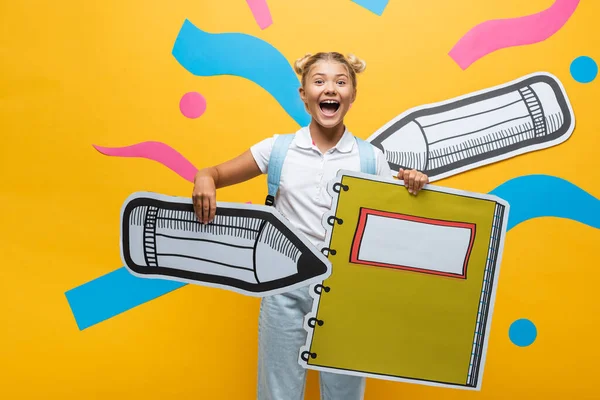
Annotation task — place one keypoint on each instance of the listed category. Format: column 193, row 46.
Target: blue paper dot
column 522, row 332
column 584, row 69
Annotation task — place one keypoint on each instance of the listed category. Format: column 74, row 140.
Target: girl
column 315, row 155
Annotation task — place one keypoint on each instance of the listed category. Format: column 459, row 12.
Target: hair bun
column 300, row 63
column 356, row 63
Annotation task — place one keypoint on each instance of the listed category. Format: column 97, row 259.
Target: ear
column 302, row 94
column 353, row 98
column 303, row 97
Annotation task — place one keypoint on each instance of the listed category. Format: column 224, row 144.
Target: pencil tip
column 309, row 265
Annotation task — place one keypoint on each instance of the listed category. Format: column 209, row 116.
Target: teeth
column 330, row 101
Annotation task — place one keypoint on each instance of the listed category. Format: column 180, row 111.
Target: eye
column 341, row 82
column 319, row 81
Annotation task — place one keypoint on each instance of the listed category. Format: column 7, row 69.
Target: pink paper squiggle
column 496, row 34
column 155, row 151
column 261, row 12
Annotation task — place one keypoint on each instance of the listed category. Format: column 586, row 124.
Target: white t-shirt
column 303, row 198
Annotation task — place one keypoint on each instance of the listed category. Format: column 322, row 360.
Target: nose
column 330, row 88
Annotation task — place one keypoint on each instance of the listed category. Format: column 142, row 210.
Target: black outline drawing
column 527, row 129
column 160, row 234
column 307, row 358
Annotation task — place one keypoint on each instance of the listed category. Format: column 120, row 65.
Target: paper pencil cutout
column 250, row 249
column 453, row 136
column 414, row 279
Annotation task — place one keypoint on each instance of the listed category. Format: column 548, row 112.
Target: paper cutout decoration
column 529, row 196
column 250, row 249
column 210, row 54
column 492, row 35
column 260, row 10
column 156, row 151
column 456, row 135
column 375, row 6
column 414, row 279
column 192, row 105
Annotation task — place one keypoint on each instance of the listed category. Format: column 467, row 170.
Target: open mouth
column 329, row 107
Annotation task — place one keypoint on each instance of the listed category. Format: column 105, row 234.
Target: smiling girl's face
column 328, row 93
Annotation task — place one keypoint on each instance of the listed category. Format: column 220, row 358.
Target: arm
column 207, row 180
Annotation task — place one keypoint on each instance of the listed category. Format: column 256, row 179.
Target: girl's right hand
column 208, row 180
column 204, row 196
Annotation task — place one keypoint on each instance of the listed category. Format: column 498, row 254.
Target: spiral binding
column 333, row 252
column 338, row 185
column 322, row 288
column 312, row 322
column 319, row 288
column 334, row 218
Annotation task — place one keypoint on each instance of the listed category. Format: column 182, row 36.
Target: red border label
column 362, row 221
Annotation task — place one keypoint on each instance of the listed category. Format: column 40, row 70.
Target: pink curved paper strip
column 493, row 35
column 261, row 12
column 155, row 151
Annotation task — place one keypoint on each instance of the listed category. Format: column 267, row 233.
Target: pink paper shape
column 155, row 151
column 493, row 35
column 261, row 12
column 192, row 104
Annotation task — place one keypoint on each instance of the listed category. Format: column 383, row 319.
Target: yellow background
column 78, row 73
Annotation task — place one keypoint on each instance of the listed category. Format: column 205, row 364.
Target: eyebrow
column 320, row 73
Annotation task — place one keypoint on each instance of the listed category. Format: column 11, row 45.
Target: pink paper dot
column 192, row 104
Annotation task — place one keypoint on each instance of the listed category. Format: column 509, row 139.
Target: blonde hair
column 354, row 64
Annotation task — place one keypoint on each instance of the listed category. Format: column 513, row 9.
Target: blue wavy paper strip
column 535, row 196
column 238, row 54
column 375, row 6
column 529, row 197
column 113, row 294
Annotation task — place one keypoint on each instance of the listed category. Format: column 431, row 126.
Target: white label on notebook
column 406, row 242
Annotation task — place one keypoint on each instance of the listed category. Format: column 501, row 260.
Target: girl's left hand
column 413, row 180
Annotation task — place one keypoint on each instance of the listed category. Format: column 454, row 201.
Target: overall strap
column 367, row 157
column 278, row 153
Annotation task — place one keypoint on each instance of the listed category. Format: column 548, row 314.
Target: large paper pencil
column 413, row 284
column 453, row 136
column 247, row 248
